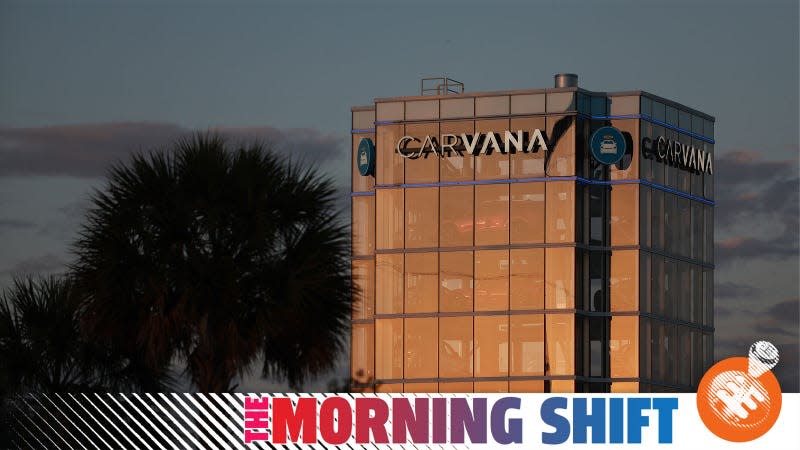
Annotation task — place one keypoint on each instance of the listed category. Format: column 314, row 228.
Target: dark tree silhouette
column 43, row 350
column 217, row 258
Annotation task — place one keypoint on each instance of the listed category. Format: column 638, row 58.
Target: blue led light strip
column 580, row 180
column 644, row 117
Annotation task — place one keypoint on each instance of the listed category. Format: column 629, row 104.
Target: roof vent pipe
column 564, row 80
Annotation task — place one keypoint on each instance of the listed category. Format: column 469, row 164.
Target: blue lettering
column 636, row 420
column 514, row 433
column 559, row 422
column 665, row 406
column 582, row 420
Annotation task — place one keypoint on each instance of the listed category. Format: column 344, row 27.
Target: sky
column 84, row 84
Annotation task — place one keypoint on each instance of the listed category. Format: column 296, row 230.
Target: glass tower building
column 492, row 252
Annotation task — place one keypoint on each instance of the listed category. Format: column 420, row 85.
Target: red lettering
column 367, row 423
column 285, row 417
column 326, row 423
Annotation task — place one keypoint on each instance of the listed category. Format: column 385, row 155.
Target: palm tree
column 43, row 350
column 219, row 259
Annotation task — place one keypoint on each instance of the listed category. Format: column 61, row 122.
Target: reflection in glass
column 421, row 359
column 363, row 273
column 363, row 225
column 362, row 353
column 560, row 211
column 527, row 213
column 422, row 282
column 422, row 217
column 455, row 347
column 624, row 347
column 527, row 344
column 389, row 283
column 560, row 278
column 491, row 214
column 389, row 218
column 491, row 346
column 491, row 280
column 527, row 278
column 388, row 164
column 455, row 292
column 389, row 348
column 456, row 226
column 560, row 341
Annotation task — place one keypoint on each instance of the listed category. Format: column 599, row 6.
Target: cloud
column 781, row 319
column 734, row 290
column 88, row 150
column 759, row 195
column 40, row 265
column 14, row 224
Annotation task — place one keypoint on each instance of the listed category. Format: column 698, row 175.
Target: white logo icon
column 608, row 145
column 737, row 394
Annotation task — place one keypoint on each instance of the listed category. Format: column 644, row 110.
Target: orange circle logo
column 739, row 399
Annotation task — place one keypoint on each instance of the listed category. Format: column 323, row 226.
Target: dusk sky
column 84, row 84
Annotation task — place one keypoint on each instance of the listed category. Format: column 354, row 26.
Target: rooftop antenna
column 440, row 86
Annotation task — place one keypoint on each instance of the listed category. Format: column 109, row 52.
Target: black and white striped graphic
column 99, row 421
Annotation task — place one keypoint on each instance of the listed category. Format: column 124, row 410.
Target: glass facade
column 537, row 270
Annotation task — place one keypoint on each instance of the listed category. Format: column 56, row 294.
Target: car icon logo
column 362, row 160
column 608, row 145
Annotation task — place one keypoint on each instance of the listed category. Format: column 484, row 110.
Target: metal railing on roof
column 440, row 86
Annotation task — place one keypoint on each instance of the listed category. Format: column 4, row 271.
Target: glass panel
column 457, row 222
column 625, row 387
column 456, row 165
column 659, row 166
column 624, row 347
column 388, row 163
column 455, row 347
column 491, row 280
column 599, row 105
column 562, row 386
column 360, row 183
column 685, row 358
column 620, row 106
column 659, row 111
column 420, row 388
column 528, row 165
column 560, row 211
column 420, row 348
column 645, row 203
column 491, row 164
column 624, row 215
column 645, row 348
column 529, row 386
column 422, row 109
column 657, row 219
column 422, row 217
column 363, row 120
column 455, row 293
column 561, row 136
column 389, row 388
column 527, row 213
column 422, row 282
column 672, row 115
column 684, row 299
column 560, row 341
column 658, row 283
column 363, row 225
column 363, row 288
column 389, row 283
column 389, row 348
column 646, row 107
column 491, row 386
column 685, row 120
column 560, row 278
column 527, row 344
column 628, row 166
column 624, row 280
column 389, row 217
column 527, row 278
column 362, row 353
column 645, row 287
column 456, row 387
column 671, row 287
column 491, row 106
column 389, row 111
column 708, row 227
column 491, row 346
column 491, row 214
column 457, row 107
column 424, row 168
column 560, row 102
column 527, row 104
